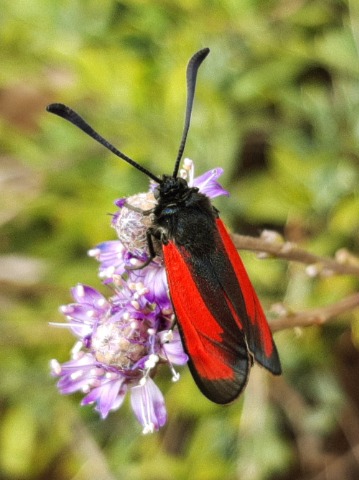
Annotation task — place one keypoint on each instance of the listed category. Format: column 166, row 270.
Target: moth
column 220, row 319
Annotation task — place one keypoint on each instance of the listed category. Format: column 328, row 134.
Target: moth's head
column 171, row 187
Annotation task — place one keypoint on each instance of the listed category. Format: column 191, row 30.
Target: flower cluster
column 122, row 339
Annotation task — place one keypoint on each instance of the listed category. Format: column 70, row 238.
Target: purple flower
column 123, row 338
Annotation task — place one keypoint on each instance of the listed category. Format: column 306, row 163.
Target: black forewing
column 218, row 283
column 218, row 357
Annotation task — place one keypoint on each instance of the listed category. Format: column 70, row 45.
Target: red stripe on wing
column 219, row 371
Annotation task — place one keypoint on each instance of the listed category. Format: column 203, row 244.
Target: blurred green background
column 277, row 107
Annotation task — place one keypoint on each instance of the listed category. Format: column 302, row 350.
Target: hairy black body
column 184, row 215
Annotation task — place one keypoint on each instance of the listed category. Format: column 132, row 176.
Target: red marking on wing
column 201, row 331
column 253, row 306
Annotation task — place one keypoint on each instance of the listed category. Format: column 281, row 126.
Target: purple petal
column 174, row 350
column 79, row 328
column 148, row 405
column 79, row 313
column 112, row 256
column 153, row 186
column 85, row 294
column 120, row 202
column 76, row 374
column 84, row 316
column 154, row 279
column 207, row 183
column 108, row 396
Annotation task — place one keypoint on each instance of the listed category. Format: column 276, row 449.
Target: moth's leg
column 151, row 249
column 139, row 210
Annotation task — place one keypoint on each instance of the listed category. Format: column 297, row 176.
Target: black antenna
column 68, row 114
column 192, row 69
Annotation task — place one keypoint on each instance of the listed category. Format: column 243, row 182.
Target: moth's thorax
column 183, row 213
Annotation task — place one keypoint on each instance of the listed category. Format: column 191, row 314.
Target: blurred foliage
column 277, row 107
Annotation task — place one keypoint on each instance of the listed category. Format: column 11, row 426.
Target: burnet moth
column 220, row 319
